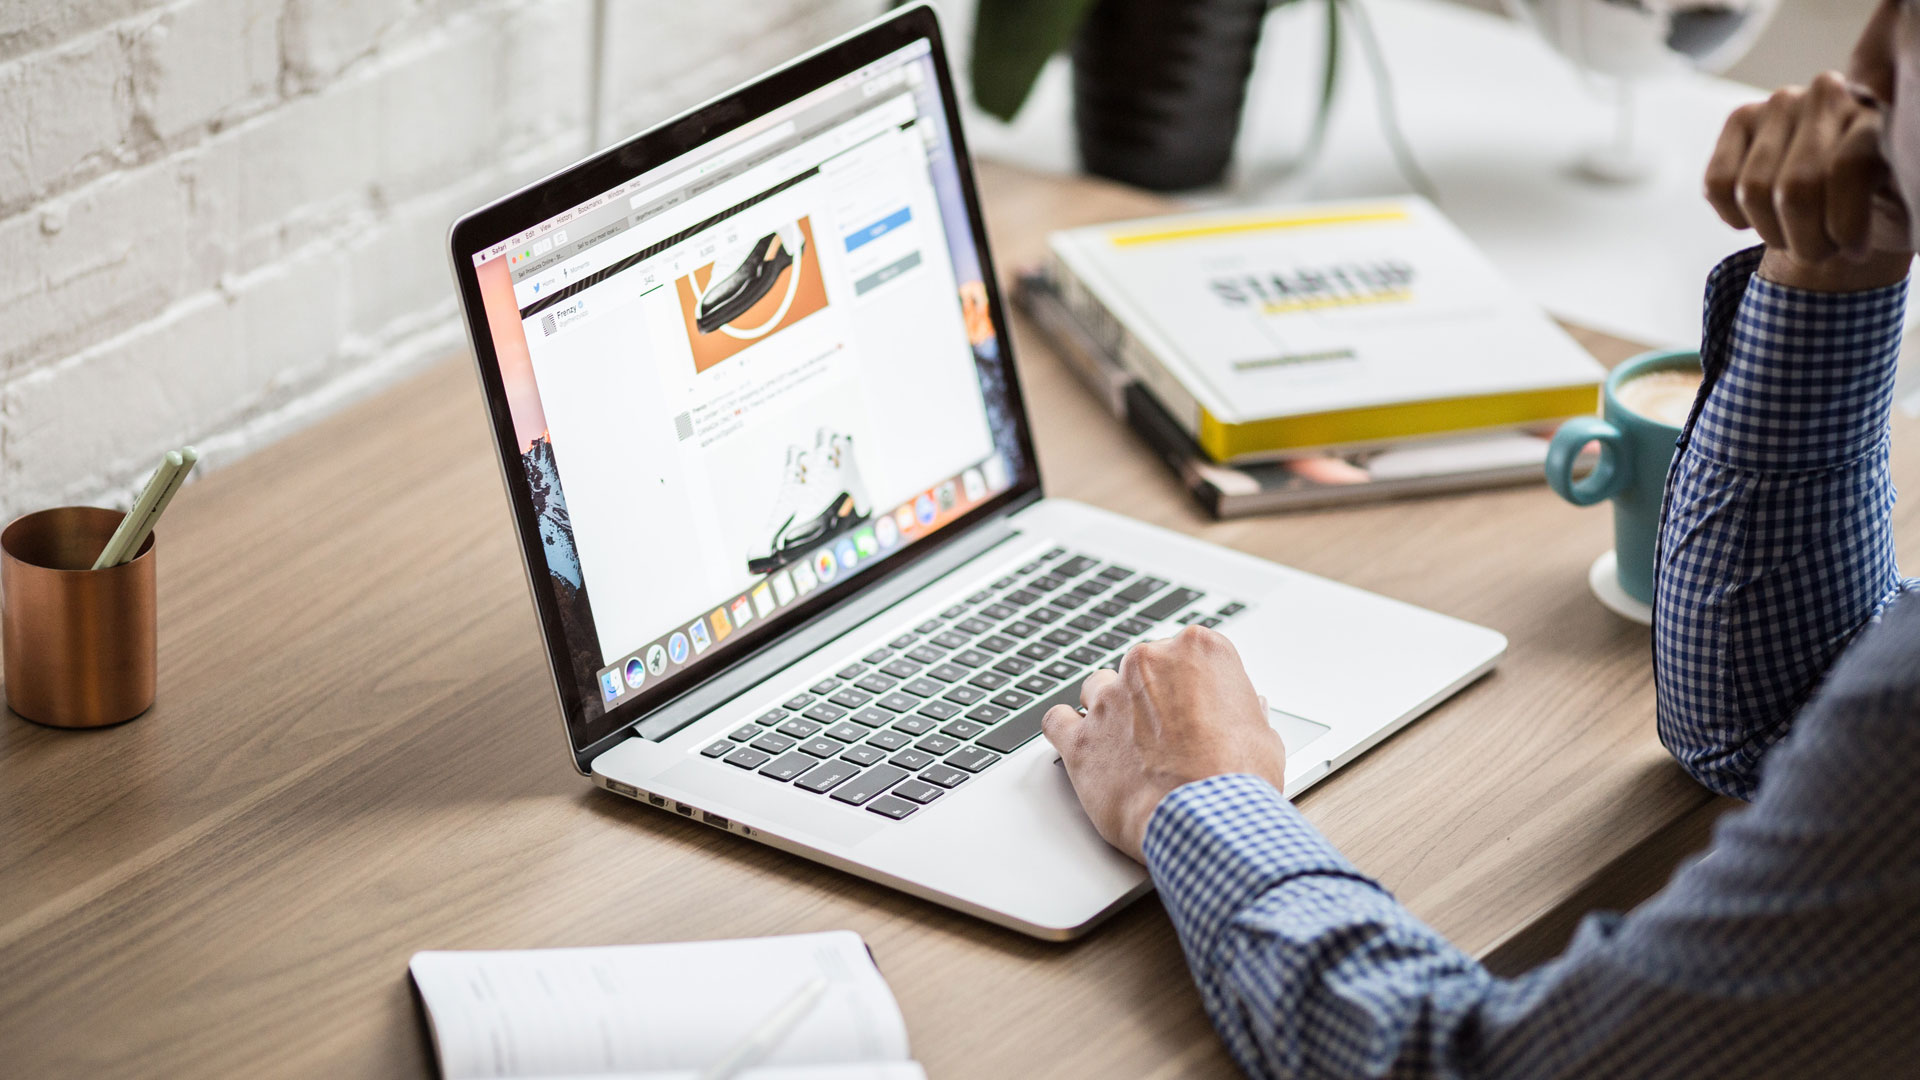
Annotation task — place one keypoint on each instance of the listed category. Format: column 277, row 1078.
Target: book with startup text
column 1274, row 333
column 1429, row 466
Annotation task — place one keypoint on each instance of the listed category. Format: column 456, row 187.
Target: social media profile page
column 768, row 403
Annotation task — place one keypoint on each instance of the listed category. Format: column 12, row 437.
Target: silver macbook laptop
column 754, row 396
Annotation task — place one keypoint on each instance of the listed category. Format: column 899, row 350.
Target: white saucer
column 1604, row 579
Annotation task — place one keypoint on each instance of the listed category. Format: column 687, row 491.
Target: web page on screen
column 750, row 379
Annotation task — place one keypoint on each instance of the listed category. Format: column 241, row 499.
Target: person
column 1793, row 948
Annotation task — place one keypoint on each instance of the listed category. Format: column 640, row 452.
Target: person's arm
column 1776, row 540
column 1306, row 967
column 1790, row 952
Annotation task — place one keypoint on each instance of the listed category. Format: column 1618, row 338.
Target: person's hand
column 1177, row 711
column 1805, row 170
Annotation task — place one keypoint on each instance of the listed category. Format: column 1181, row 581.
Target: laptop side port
column 684, row 809
column 656, row 800
column 714, row 820
column 619, row 788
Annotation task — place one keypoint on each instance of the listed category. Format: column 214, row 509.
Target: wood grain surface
column 355, row 755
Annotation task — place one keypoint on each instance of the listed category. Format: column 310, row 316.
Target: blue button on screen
column 880, row 228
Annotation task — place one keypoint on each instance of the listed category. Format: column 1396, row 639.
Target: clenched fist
column 1177, row 711
column 1808, row 171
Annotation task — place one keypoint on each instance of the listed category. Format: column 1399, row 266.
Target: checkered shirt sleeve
column 1793, row 949
column 1776, row 541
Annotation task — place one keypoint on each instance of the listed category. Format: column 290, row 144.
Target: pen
column 761, row 1040
column 150, row 496
column 188, row 457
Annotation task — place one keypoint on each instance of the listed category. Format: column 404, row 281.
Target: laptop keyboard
column 916, row 717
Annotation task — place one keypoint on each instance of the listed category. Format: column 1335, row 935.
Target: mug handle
column 1609, row 475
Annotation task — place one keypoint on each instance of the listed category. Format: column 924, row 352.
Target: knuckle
column 1752, row 191
column 1144, row 665
column 1830, row 84
column 1785, row 96
column 1145, row 657
column 1094, row 689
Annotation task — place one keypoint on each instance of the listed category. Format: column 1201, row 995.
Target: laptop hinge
column 818, row 633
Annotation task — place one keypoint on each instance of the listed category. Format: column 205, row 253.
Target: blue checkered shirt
column 1793, row 949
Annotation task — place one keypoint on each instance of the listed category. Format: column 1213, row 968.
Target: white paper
column 654, row 1008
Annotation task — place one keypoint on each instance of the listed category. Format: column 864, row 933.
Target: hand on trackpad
column 1297, row 733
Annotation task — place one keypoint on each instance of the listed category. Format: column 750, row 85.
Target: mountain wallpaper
column 563, row 567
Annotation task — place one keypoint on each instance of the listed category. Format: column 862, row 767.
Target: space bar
column 1015, row 732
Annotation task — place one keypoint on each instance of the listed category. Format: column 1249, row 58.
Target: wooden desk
column 355, row 756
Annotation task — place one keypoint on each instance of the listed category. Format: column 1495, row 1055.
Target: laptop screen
column 746, row 377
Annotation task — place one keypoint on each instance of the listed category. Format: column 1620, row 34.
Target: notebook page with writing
column 653, row 1008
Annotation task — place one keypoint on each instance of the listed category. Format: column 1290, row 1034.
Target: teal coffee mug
column 1636, row 438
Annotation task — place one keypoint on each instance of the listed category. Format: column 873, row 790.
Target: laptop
column 754, row 396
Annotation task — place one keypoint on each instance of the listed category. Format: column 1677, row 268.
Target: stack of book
column 1311, row 355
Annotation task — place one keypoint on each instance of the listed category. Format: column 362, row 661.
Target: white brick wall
column 220, row 219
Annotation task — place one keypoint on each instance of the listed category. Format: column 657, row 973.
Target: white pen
column 157, row 485
column 188, row 458
column 761, row 1040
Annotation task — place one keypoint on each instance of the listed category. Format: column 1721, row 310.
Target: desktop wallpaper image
column 542, row 472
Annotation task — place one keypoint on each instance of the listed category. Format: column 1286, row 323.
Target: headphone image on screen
column 730, row 295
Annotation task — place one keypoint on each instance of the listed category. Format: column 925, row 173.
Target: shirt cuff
column 1215, row 846
column 1796, row 380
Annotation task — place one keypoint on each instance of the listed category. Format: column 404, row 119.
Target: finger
column 1723, row 170
column 1858, row 175
column 1096, row 685
column 1215, row 640
column 1892, row 228
column 1800, row 192
column 1061, row 726
column 1754, row 189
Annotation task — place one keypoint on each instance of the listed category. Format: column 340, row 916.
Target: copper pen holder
column 79, row 642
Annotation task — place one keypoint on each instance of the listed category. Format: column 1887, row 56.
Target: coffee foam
column 1665, row 397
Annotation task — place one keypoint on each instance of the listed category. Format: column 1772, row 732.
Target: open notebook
column 661, row 1011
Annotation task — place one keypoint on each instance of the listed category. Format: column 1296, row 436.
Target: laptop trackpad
column 1296, row 732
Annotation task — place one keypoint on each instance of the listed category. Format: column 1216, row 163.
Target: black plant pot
column 1158, row 87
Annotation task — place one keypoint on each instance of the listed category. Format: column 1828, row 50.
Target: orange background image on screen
column 810, row 295
column 510, row 350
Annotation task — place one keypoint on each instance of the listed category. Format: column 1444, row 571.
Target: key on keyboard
column 826, row 775
column 868, row 784
column 1025, row 724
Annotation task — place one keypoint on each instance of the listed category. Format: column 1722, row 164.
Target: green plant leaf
column 1012, row 40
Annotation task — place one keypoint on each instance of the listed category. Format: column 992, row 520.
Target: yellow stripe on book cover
column 1236, row 226
column 1392, row 423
